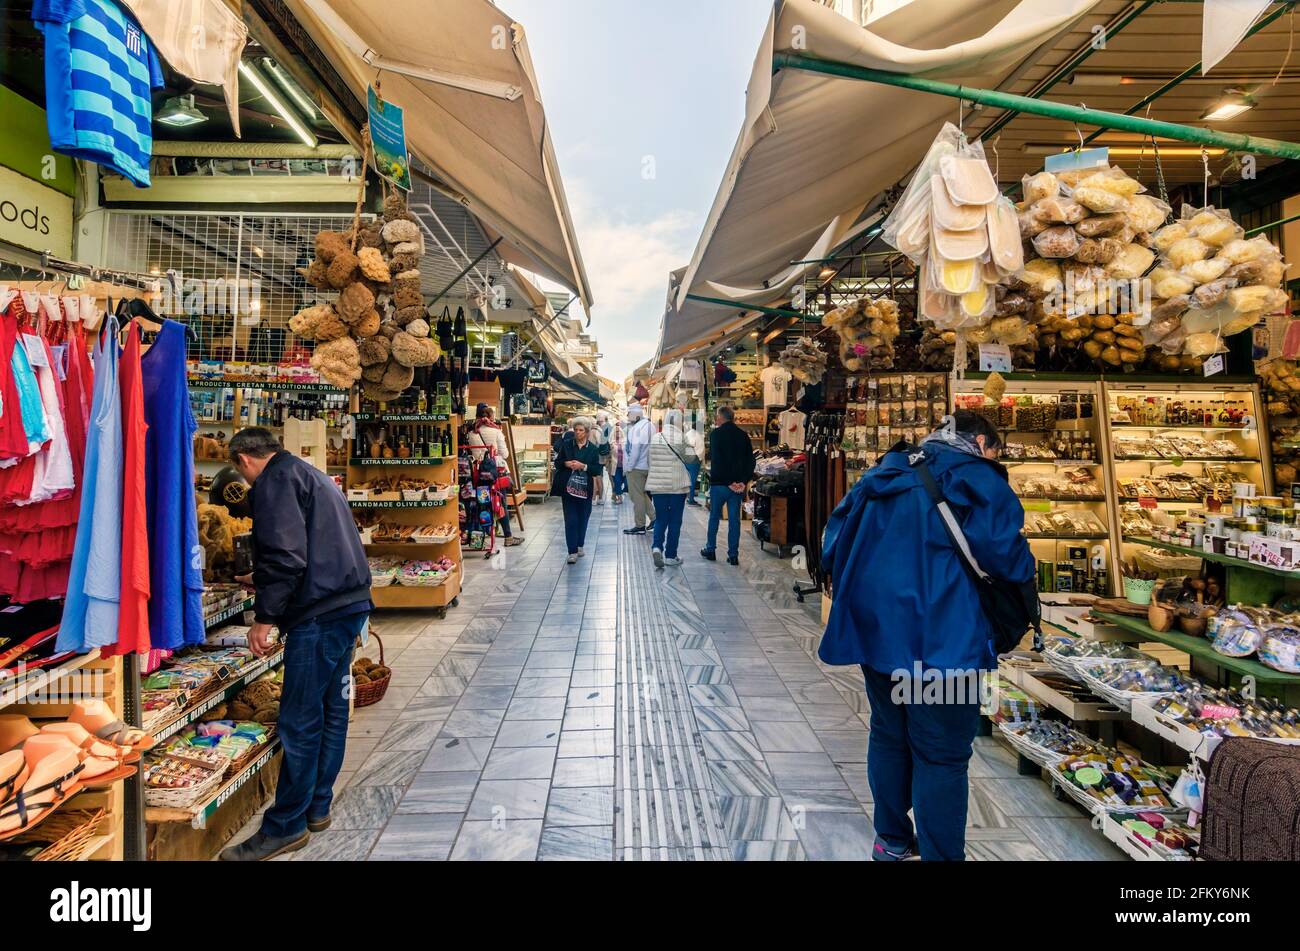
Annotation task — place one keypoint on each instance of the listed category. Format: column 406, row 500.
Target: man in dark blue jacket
column 906, row 611
column 312, row 581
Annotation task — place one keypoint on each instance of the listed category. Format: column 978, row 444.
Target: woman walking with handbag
column 669, row 481
column 577, row 466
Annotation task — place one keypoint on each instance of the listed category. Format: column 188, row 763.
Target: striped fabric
column 99, row 70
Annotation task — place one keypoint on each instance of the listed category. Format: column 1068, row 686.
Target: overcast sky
column 631, row 86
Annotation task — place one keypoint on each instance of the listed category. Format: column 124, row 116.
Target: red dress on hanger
column 133, row 614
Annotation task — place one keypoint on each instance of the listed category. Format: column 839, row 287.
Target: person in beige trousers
column 636, row 466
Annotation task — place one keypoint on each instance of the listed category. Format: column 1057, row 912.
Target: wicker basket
column 187, row 797
column 371, row 693
column 71, row 833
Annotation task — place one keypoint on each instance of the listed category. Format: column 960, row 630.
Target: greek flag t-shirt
column 99, row 70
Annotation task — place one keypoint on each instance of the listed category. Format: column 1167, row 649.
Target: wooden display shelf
column 1213, row 556
column 46, row 680
column 269, row 386
column 402, row 597
column 369, row 504
column 197, row 815
column 1179, row 460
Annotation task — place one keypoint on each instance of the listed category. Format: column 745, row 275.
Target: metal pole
column 1190, row 72
column 1272, row 224
column 472, row 264
column 1234, row 142
column 779, row 312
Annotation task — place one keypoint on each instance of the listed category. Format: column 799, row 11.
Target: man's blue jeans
column 918, row 760
column 313, row 724
column 720, row 495
column 693, row 470
column 668, row 523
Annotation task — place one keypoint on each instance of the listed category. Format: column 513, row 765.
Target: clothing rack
column 824, row 486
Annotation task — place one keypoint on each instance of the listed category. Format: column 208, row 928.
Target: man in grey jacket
column 636, row 466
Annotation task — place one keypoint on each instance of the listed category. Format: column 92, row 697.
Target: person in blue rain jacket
column 905, row 606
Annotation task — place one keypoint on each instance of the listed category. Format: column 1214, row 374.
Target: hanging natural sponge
column 408, row 315
column 401, row 231
column 373, row 265
column 388, row 330
column 406, row 290
column 374, row 350
column 395, row 206
column 418, row 327
column 320, row 322
column 355, row 302
column 342, row 269
column 397, row 377
column 338, row 362
column 316, row 274
column 369, row 235
column 408, row 249
column 406, row 261
column 367, row 326
column 375, row 373
column 415, row 351
column 329, row 244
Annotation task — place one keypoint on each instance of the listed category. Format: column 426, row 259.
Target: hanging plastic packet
column 915, row 203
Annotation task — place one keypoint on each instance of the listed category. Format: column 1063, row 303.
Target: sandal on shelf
column 15, row 730
column 13, row 774
column 99, row 719
column 78, row 737
column 53, row 777
column 97, row 771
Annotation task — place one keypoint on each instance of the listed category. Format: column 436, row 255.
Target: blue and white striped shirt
column 99, row 70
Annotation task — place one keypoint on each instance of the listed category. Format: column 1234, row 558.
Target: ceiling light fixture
column 291, row 88
column 1099, row 79
column 283, row 111
column 179, row 112
column 338, row 26
column 1234, row 104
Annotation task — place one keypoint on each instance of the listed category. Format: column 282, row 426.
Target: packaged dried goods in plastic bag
column 1042, row 275
column 950, row 216
column 1280, row 648
column 1030, row 225
column 1235, row 632
column 1241, row 251
column 1147, row 214
column 1167, row 236
column 1039, row 186
column 1257, row 299
column 1059, row 242
column 1097, row 250
column 955, row 277
column 1006, row 250
column 1184, row 252
column 1167, row 283
column 916, row 200
column 1058, row 211
column 1114, row 180
column 1131, row 262
column 977, row 303
column 968, row 177
column 1099, row 200
column 960, row 245
column 1203, row 272
column 1212, row 294
column 1101, row 226
column 1203, row 344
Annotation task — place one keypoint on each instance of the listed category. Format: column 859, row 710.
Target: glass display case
column 1182, row 448
column 1054, row 436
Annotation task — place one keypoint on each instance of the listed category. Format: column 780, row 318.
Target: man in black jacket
column 731, row 467
column 312, row 582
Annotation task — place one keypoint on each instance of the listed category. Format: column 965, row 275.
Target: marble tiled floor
column 607, row 710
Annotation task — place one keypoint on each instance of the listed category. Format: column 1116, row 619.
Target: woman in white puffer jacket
column 669, row 481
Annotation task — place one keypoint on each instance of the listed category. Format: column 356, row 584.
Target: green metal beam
column 1234, row 142
column 1191, row 71
column 1272, row 224
column 779, row 312
column 1112, row 29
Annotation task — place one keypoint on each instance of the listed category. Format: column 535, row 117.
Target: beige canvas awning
column 816, row 150
column 462, row 72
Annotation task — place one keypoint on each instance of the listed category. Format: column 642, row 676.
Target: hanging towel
column 90, row 613
column 175, row 558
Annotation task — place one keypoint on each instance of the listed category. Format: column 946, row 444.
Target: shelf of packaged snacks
column 395, row 596
column 198, row 814
column 1063, row 498
column 222, row 617
column 1187, row 429
column 378, row 463
column 1212, row 556
column 1049, row 462
column 399, row 418
column 44, row 680
column 197, row 708
column 1179, row 460
column 1095, row 536
column 209, row 384
column 1203, row 649
column 422, row 504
